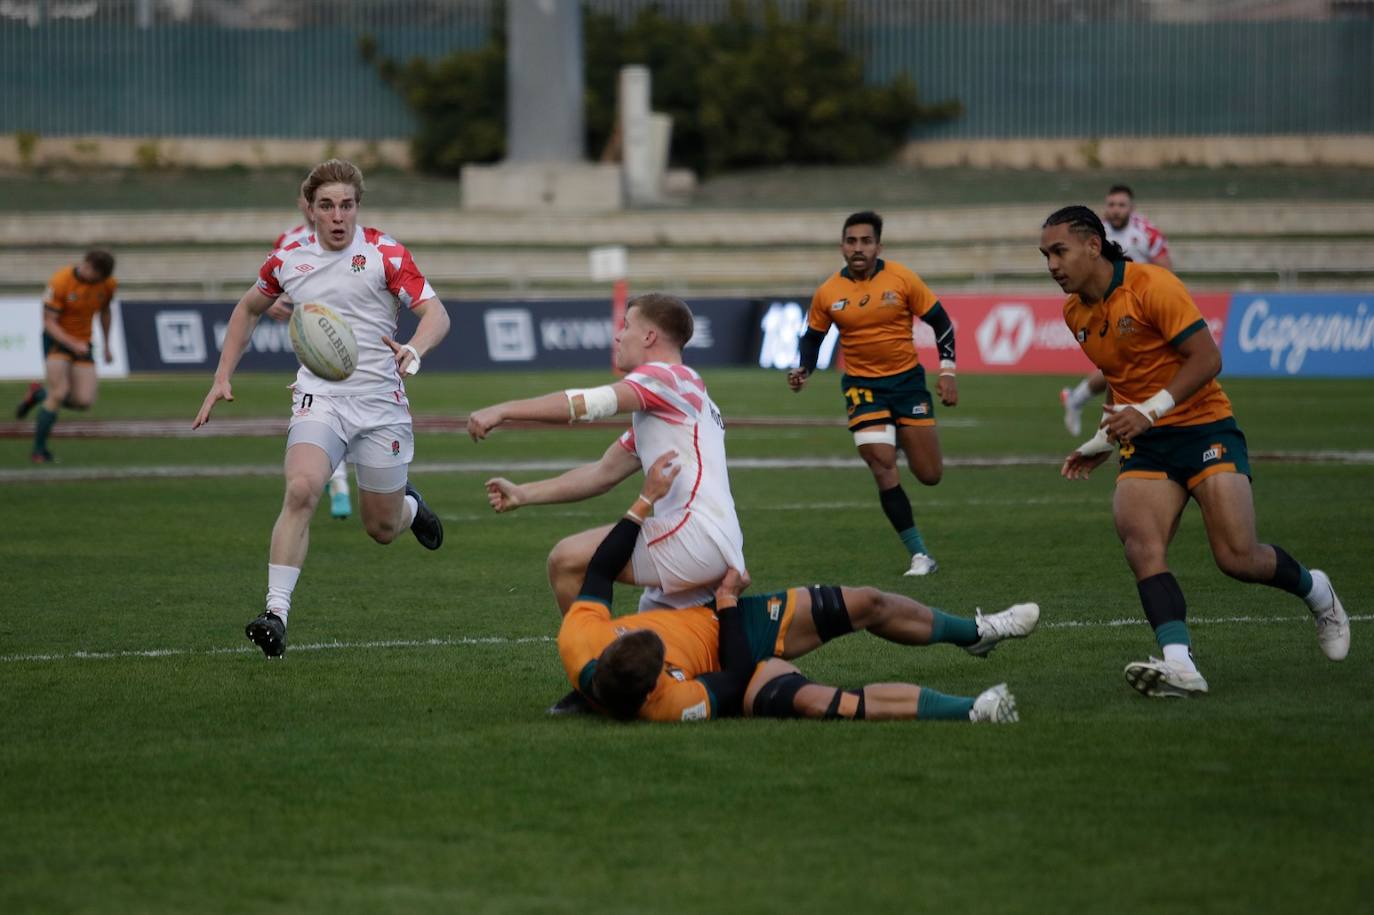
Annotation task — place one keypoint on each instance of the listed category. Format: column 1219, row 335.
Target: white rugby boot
column 1333, row 625
column 995, row 704
column 1015, row 622
column 921, row 564
column 1165, row 679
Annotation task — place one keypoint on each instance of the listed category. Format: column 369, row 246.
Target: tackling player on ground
column 1178, row 440
column 874, row 302
column 699, row 663
column 362, row 274
column 1144, row 244
column 75, row 295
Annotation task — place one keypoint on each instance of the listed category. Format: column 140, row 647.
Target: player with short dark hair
column 363, row 274
column 874, row 303
column 1178, row 439
column 715, row 661
column 73, row 298
column 1141, row 242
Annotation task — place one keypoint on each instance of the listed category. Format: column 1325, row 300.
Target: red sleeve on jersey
column 403, row 278
column 658, row 391
column 627, row 441
column 267, row 276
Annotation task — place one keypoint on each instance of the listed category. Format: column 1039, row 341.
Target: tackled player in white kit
column 693, row 537
column 364, row 275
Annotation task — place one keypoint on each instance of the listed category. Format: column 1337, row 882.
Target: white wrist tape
column 414, row 366
column 1098, row 444
column 946, row 366
column 1157, row 405
column 587, row 404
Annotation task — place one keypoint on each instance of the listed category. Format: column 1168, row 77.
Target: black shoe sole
column 426, row 526
column 265, row 637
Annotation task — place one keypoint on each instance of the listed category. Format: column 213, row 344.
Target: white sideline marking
column 548, row 639
column 210, row 471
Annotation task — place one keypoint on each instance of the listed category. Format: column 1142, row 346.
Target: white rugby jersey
column 364, row 284
column 1141, row 241
column 676, row 414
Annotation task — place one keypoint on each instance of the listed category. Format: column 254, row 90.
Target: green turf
column 427, row 778
column 784, row 188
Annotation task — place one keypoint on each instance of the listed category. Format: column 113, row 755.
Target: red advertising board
column 1026, row 334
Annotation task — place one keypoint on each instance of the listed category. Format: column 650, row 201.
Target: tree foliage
column 754, row 88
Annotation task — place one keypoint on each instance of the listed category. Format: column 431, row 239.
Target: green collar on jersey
column 844, row 272
column 1118, row 275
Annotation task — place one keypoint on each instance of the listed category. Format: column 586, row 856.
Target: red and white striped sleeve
column 673, row 393
column 269, row 283
column 1155, row 242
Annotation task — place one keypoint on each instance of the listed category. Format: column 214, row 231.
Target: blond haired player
column 364, row 275
column 1178, row 438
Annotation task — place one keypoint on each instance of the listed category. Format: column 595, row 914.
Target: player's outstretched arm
column 570, row 406
column 241, row 323
column 577, row 484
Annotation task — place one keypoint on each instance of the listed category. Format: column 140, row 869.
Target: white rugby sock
column 1179, row 654
column 338, row 483
column 410, row 511
column 1080, row 395
column 281, row 581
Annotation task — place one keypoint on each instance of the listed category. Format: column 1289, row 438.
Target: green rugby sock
column 934, row 706
column 911, row 539
column 955, row 630
column 46, row 418
column 1174, row 632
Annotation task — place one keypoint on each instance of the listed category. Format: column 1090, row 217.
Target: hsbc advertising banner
column 1026, row 334
column 1307, row 334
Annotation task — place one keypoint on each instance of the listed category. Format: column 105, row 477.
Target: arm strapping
column 939, row 322
column 610, row 557
column 811, row 349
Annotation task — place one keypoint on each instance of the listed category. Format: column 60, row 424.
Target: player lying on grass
column 698, row 663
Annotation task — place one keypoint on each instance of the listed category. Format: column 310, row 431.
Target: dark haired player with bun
column 1178, row 439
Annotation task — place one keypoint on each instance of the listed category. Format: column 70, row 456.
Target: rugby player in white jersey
column 1143, row 244
column 364, row 275
column 693, row 537
column 340, row 505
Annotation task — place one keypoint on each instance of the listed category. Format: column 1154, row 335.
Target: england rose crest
column 359, row 263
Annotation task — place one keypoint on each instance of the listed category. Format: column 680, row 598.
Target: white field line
column 210, row 471
column 478, row 641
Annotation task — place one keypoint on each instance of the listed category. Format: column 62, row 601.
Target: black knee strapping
column 833, row 710
column 774, row 700
column 828, row 612
column 858, row 712
column 1162, row 599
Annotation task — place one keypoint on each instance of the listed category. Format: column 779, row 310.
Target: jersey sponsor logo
column 698, row 712
column 920, row 409
column 1125, row 326
column 676, row 674
column 839, row 306
column 304, row 268
column 1214, row 452
column 774, row 608
column 359, row 263
column 863, row 301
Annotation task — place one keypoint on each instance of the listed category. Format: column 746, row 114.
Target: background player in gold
column 75, row 295
column 1178, row 438
column 698, row 663
column 873, row 303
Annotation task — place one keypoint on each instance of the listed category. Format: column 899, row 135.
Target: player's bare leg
column 881, row 459
column 921, row 445
column 1147, row 513
column 824, row 612
column 568, row 565
column 1228, row 513
column 778, row 690
column 81, row 394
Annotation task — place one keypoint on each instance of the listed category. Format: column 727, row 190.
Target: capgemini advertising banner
column 1311, row 334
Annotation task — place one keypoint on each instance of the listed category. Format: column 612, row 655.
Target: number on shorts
column 858, row 395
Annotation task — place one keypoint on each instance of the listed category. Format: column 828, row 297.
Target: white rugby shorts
column 680, row 560
column 372, row 430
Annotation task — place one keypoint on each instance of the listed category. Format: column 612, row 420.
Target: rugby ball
column 323, row 341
